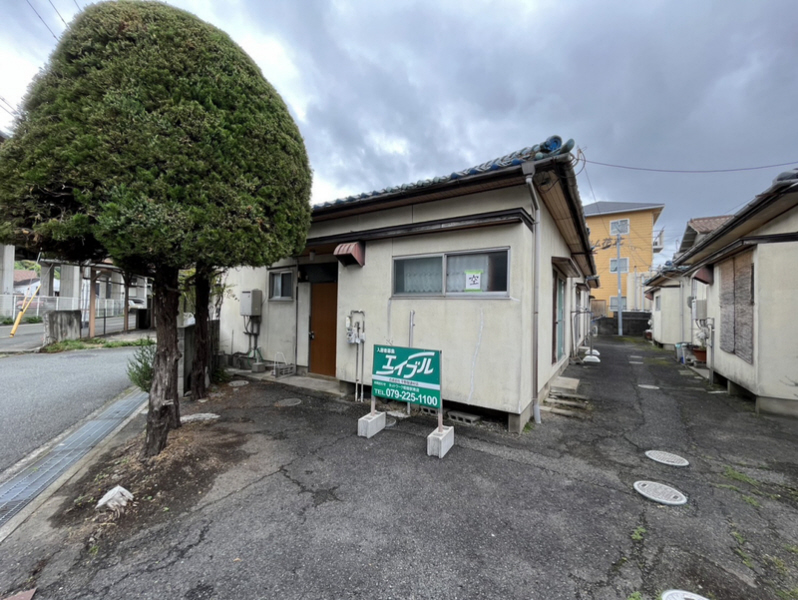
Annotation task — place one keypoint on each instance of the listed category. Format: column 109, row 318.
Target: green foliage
column 139, row 369
column 635, row 596
column 638, row 535
column 730, row 473
column 6, row 321
column 152, row 137
column 32, row 319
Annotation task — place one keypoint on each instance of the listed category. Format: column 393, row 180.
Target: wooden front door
column 323, row 321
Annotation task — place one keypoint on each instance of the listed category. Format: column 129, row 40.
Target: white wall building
column 748, row 265
column 458, row 255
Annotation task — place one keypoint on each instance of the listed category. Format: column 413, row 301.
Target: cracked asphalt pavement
column 316, row 512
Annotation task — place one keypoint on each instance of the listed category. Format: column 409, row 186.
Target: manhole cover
column 681, row 595
column 659, row 492
column 288, row 402
column 645, row 386
column 666, row 458
column 390, row 423
column 238, row 383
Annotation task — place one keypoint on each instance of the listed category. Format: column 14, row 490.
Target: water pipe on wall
column 529, row 169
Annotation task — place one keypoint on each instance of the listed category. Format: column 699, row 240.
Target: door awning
column 351, row 253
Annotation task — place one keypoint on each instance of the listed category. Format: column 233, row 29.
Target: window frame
column 280, row 273
column 628, row 227
column 615, row 272
column 444, row 256
column 624, row 300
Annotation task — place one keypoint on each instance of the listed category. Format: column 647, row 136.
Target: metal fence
column 11, row 305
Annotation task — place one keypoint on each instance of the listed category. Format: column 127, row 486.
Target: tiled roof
column 23, row 276
column 603, row 208
column 708, row 224
column 553, row 146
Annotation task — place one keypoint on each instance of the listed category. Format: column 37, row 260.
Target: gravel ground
column 42, row 395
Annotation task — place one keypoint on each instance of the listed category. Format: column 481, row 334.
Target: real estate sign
column 407, row 375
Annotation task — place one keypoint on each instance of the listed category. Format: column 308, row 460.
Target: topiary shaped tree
column 152, row 138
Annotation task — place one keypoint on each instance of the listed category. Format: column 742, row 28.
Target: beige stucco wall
column 665, row 321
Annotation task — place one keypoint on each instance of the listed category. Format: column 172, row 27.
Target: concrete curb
column 82, row 463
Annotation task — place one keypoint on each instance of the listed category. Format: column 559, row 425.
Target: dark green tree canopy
column 151, row 137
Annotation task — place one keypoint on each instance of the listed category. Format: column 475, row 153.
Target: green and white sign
column 407, row 375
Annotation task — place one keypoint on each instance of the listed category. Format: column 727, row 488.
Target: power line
column 8, row 111
column 702, row 171
column 11, row 106
column 76, row 4
column 42, row 20
column 56, row 12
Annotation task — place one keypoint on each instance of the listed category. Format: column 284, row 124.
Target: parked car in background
column 136, row 303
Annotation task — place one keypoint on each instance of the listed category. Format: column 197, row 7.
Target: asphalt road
column 29, row 336
column 42, row 395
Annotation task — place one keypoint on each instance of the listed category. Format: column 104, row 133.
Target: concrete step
column 566, row 395
column 572, row 403
column 578, row 414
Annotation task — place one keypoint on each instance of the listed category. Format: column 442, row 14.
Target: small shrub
column 220, row 376
column 32, row 320
column 6, row 321
column 139, row 369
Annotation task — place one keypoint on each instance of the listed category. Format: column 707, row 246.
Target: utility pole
column 620, row 297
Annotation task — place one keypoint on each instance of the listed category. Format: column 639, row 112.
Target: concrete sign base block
column 371, row 424
column 440, row 442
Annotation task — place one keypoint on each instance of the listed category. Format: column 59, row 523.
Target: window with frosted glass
column 476, row 273
column 418, row 275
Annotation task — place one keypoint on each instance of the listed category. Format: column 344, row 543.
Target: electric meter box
column 251, row 303
column 699, row 309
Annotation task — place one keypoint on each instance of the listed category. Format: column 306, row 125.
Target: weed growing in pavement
column 778, row 564
column 792, row 548
column 752, row 501
column 740, row 539
column 638, row 535
column 788, row 594
column 635, row 596
column 745, row 558
column 730, row 473
column 220, row 375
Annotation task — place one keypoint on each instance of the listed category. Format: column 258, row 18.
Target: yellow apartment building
column 636, row 223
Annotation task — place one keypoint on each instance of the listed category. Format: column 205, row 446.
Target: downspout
column 529, row 166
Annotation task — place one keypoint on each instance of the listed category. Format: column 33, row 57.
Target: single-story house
column 673, row 294
column 748, row 265
column 491, row 265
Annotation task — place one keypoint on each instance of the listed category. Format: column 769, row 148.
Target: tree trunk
column 199, row 368
column 163, row 405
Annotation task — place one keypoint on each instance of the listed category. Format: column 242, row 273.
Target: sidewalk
column 283, row 500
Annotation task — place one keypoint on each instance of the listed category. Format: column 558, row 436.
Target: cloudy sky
column 390, row 92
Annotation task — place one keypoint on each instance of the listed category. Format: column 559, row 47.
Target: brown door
column 323, row 317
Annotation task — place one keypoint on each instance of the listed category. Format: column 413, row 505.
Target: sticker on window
column 473, row 281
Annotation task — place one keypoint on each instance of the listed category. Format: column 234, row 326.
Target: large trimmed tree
column 152, row 138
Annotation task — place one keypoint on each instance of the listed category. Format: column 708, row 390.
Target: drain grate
column 681, row 595
column 288, row 402
column 666, row 458
column 21, row 489
column 659, row 492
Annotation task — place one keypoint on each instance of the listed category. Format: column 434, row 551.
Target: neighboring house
column 26, row 281
column 748, row 265
column 638, row 246
column 672, row 293
column 456, row 256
